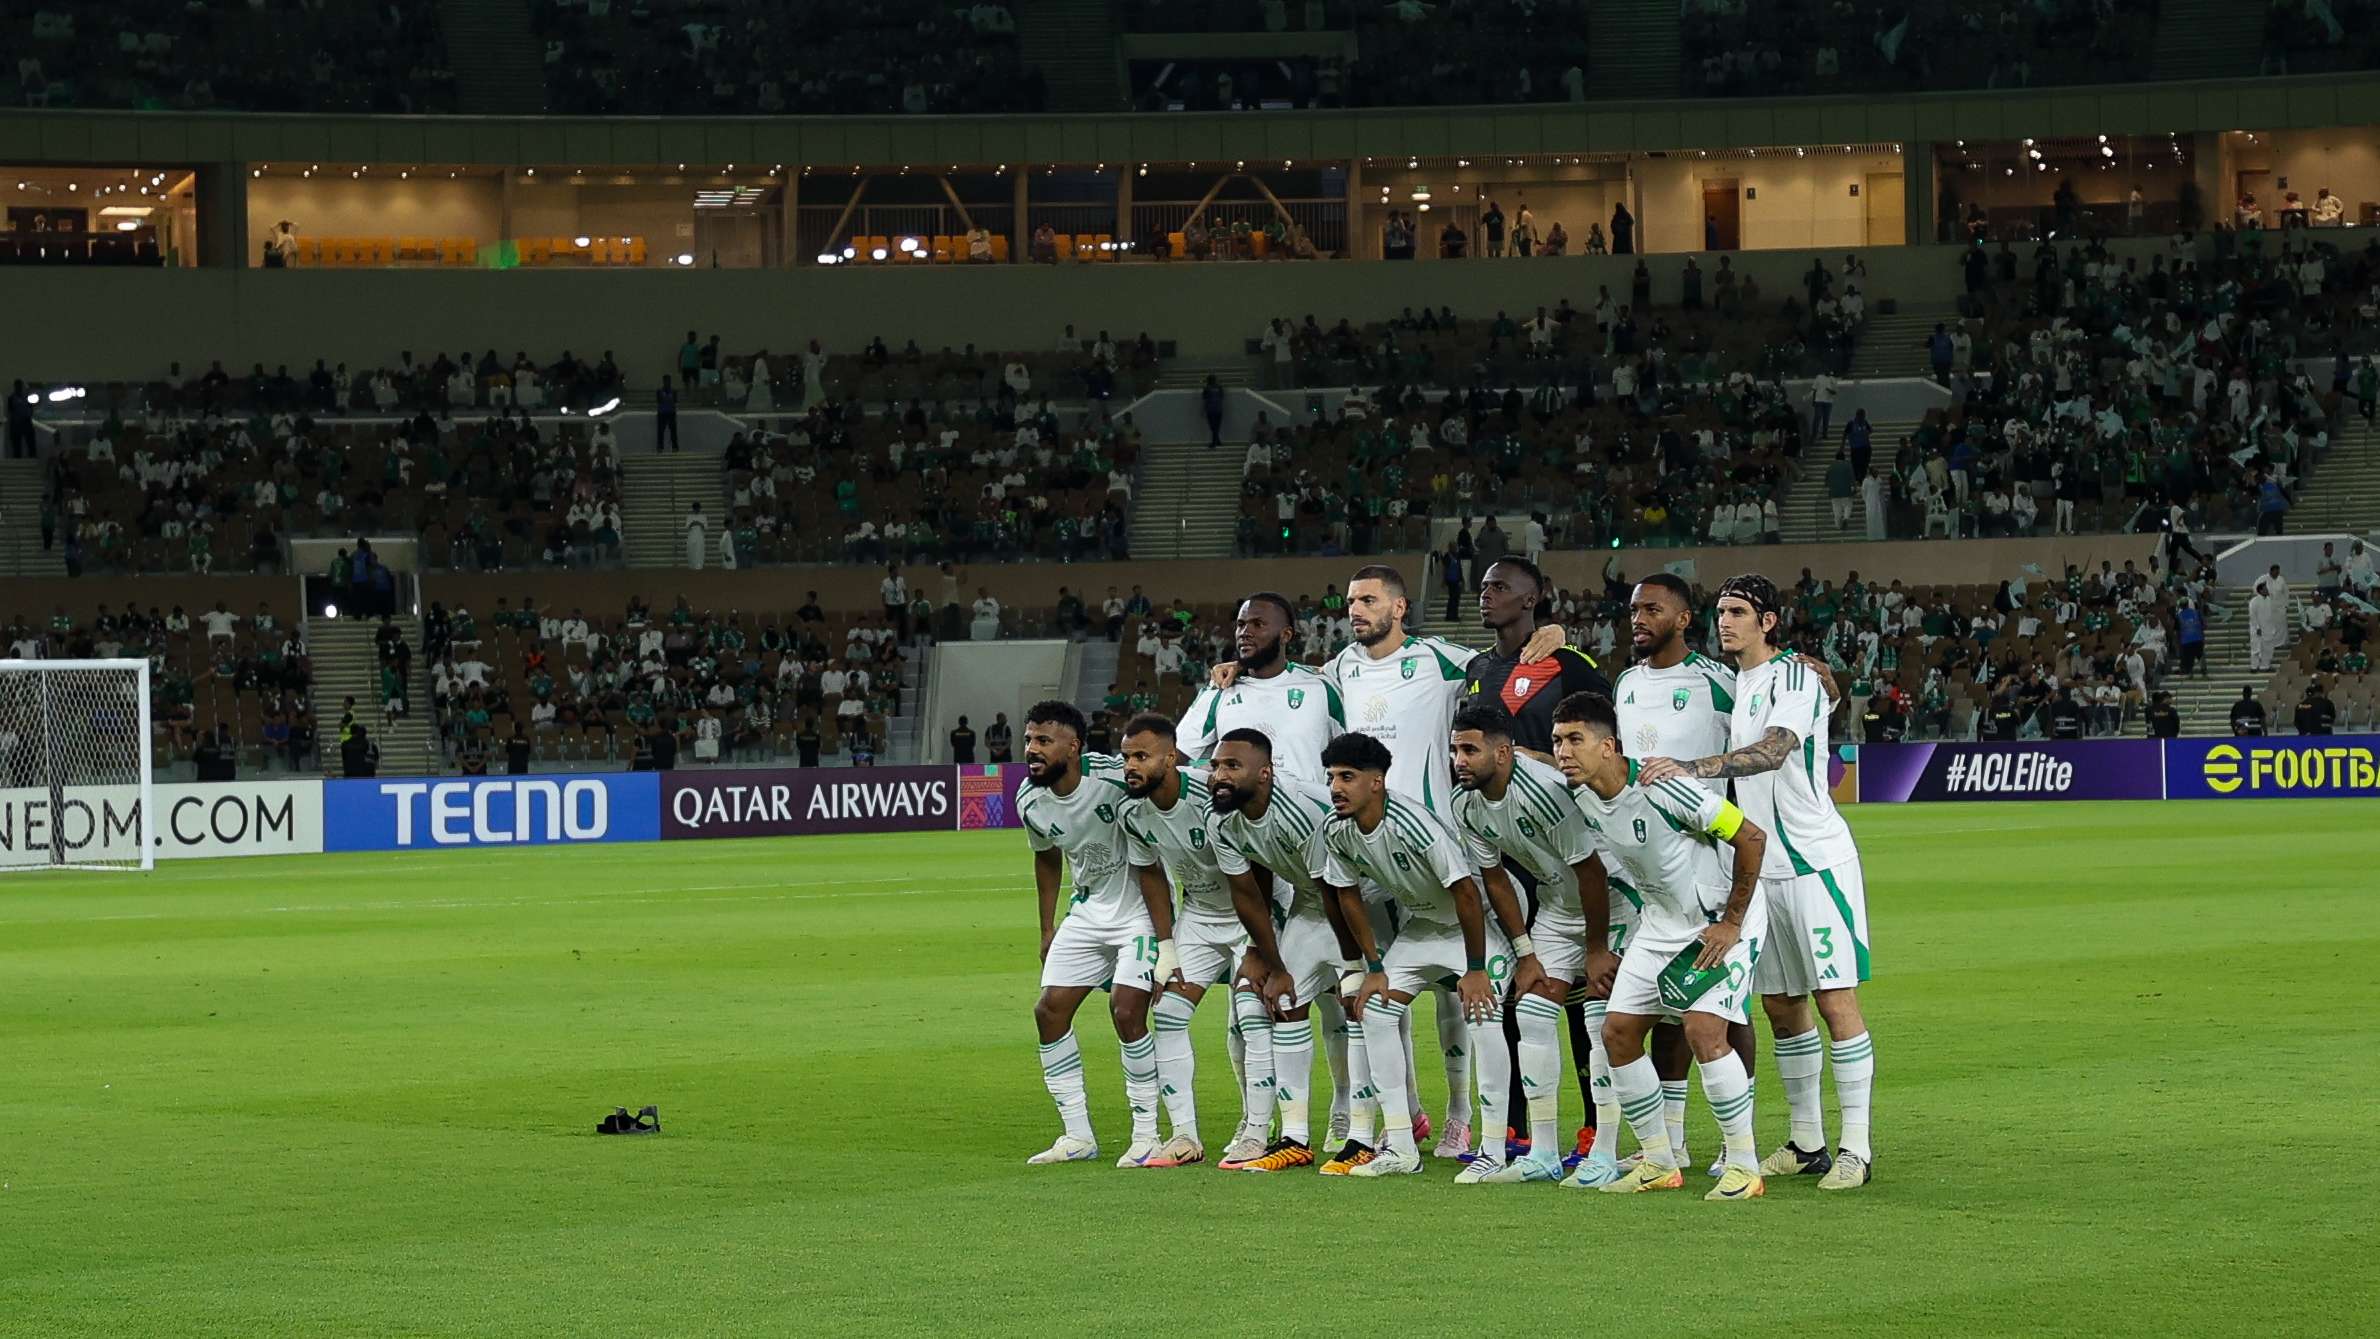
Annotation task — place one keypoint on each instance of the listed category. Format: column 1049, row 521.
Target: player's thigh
column 1427, row 955
column 1310, row 954
column 1636, row 987
column 1084, row 955
column 1561, row 949
column 1833, row 907
column 1783, row 963
column 1208, row 953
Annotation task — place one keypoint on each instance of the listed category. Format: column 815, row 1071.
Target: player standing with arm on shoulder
column 1811, row 878
column 1375, row 838
column 1268, row 844
column 1069, row 804
column 1693, row 951
column 1516, row 811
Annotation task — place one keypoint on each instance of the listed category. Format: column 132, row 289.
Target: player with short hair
column 1514, row 810
column 1296, row 707
column 1166, row 816
column 1692, row 954
column 1070, row 803
column 1810, row 876
column 1268, row 845
column 1377, row 839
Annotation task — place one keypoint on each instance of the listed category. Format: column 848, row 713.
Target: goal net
column 74, row 765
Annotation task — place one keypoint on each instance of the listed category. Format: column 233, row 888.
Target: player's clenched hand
column 1544, row 642
column 1046, row 937
column 1479, row 998
column 1659, row 769
column 1717, row 938
column 1527, row 975
column 1222, row 675
column 1374, row 984
column 1603, row 968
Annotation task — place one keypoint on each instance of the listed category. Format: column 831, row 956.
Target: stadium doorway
column 1887, row 208
column 1722, row 215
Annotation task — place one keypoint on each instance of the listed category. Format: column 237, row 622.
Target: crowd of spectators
column 1236, row 16
column 1463, row 52
column 680, row 687
column 1731, row 47
column 228, row 689
column 188, row 55
column 2096, row 393
column 2322, row 658
column 737, row 57
column 1094, row 367
column 2316, row 36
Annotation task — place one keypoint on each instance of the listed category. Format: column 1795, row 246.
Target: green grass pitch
column 2126, row 1083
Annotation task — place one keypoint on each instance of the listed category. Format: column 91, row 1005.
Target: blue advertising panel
column 2265, row 768
column 414, row 813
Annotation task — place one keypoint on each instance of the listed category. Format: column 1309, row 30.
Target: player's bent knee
column 1707, row 1034
column 1840, row 1009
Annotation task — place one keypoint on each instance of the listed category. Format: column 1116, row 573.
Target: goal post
column 75, row 787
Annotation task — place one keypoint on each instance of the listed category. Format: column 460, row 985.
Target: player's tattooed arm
column 1765, row 754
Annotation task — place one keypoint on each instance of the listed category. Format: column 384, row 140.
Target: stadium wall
column 853, row 586
column 256, row 818
column 153, row 318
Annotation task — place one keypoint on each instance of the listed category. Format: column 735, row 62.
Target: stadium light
column 828, row 257
column 330, row 611
column 582, row 241
column 876, row 253
column 600, row 410
column 851, row 253
column 908, row 245
column 64, row 393
column 685, row 258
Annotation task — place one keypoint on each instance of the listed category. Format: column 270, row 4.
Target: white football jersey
column 1287, row 841
column 1680, row 712
column 1793, row 804
column 1086, row 826
column 1661, row 840
column 1412, row 857
column 1407, row 701
column 1297, row 709
column 1181, row 841
column 1533, row 827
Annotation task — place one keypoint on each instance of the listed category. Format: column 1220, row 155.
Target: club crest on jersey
column 1679, row 699
column 1107, row 813
column 1756, row 704
column 1520, row 685
column 1405, row 669
column 1198, row 838
column 1297, row 698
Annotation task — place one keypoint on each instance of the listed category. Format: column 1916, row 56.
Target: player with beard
column 1676, row 703
column 1402, row 689
column 1268, row 844
column 1513, row 604
column 1070, row 803
column 1296, row 707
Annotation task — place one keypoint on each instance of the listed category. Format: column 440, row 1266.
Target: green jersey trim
column 1859, row 945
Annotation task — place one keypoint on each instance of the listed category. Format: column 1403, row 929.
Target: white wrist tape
column 1523, row 947
column 1167, row 961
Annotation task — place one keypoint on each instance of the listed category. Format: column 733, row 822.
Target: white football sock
column 1456, row 1045
column 1541, row 1072
column 1637, row 1085
column 1729, row 1092
column 1062, row 1074
column 1607, row 1104
column 1334, row 1051
column 1855, row 1079
column 1140, row 1086
column 1673, row 1107
column 1495, row 1074
column 1293, row 1069
column 1381, row 1021
column 1254, row 1028
column 1177, row 1073
column 1412, row 1089
column 1799, row 1064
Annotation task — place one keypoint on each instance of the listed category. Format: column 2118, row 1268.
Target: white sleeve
column 1333, row 871
column 1795, row 700
column 1483, row 851
column 1228, row 856
column 1445, row 857
column 1194, row 735
column 1686, row 803
column 1141, row 850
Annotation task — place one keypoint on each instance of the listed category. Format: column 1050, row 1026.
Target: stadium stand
column 158, row 55
column 684, row 57
column 1807, row 47
column 2313, row 36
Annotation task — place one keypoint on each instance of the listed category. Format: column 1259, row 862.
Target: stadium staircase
column 347, row 664
column 1230, row 374
column 2205, row 704
column 1094, row 670
column 2208, row 39
column 2344, row 493
column 1187, row 501
column 1803, row 516
column 1073, row 44
column 1633, row 50
column 498, row 62
column 655, row 492
column 901, row 741
column 1894, row 346
column 21, row 554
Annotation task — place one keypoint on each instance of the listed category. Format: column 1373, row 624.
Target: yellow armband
column 1728, row 823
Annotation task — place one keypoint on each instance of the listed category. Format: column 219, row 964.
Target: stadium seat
column 636, row 251
column 1000, row 248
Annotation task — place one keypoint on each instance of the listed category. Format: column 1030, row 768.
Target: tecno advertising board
column 794, row 801
column 102, row 823
column 413, row 813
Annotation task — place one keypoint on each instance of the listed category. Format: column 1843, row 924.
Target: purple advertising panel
column 806, row 801
column 2041, row 769
column 2260, row 768
column 987, row 795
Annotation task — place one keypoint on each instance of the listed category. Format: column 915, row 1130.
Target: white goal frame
column 45, row 670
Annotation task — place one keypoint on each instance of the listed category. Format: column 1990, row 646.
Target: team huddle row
column 1536, row 845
